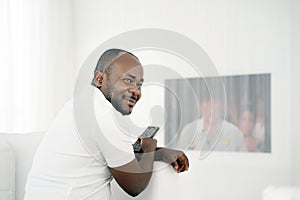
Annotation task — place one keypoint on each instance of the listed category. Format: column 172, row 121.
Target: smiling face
column 211, row 111
column 246, row 122
column 122, row 84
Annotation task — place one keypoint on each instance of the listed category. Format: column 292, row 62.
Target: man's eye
column 127, row 80
column 140, row 84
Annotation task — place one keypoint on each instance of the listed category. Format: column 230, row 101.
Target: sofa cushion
column 7, row 171
column 24, row 146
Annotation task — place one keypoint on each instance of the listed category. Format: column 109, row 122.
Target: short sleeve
column 113, row 140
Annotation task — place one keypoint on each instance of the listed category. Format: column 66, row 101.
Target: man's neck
column 210, row 126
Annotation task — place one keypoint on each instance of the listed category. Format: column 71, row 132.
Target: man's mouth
column 131, row 100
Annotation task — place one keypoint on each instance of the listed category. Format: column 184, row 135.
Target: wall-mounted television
column 227, row 113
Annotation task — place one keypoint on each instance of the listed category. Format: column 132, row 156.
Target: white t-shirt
column 73, row 158
column 227, row 138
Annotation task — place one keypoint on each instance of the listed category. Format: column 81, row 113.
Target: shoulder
column 230, row 128
column 229, row 125
column 194, row 124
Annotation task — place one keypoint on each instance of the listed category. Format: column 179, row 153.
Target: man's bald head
column 108, row 57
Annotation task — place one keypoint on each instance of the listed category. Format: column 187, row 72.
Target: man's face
column 212, row 111
column 122, row 86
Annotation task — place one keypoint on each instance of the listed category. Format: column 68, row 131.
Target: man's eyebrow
column 134, row 77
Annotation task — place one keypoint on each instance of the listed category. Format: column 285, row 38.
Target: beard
column 108, row 94
column 117, row 104
column 116, row 101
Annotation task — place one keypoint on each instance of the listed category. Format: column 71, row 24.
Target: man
column 211, row 131
column 71, row 165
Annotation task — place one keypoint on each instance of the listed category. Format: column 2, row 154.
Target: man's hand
column 148, row 144
column 176, row 158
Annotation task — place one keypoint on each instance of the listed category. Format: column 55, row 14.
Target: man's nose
column 135, row 90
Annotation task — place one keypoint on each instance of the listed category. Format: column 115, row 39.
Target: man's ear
column 98, row 79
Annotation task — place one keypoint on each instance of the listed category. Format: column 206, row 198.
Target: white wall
column 296, row 91
column 240, row 37
column 36, row 68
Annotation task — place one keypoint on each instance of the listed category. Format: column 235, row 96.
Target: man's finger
column 183, row 162
column 175, row 165
column 182, row 166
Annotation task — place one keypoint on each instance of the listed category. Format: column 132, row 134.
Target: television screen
column 228, row 113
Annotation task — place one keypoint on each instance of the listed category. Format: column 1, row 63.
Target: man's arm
column 176, row 158
column 134, row 177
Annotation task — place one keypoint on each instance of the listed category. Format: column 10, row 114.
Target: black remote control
column 149, row 132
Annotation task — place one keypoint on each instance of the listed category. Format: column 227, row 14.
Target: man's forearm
column 146, row 160
column 159, row 152
column 176, row 158
column 157, row 155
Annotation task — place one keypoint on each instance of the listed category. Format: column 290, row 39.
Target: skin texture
column 122, row 87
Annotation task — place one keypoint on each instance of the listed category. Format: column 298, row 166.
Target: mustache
column 133, row 97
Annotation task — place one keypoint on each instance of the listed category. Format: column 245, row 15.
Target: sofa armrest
column 24, row 147
column 7, row 171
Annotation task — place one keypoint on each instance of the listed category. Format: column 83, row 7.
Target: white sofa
column 16, row 156
column 7, row 171
column 17, row 151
